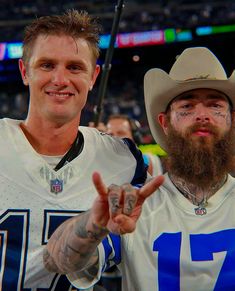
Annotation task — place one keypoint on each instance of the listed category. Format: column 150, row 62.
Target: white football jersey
column 177, row 246
column 35, row 199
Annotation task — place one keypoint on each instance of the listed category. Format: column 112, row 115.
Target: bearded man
column 183, row 236
column 200, row 143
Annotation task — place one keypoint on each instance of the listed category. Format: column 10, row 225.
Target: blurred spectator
column 101, row 126
column 20, row 106
column 123, row 126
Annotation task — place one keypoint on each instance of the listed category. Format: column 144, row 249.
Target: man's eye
column 216, row 105
column 46, row 66
column 186, row 106
column 74, row 68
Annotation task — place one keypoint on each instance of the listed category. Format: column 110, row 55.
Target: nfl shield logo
column 56, row 186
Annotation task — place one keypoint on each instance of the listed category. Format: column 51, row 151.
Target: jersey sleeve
column 109, row 255
column 141, row 167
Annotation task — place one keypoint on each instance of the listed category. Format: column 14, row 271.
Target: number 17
column 202, row 247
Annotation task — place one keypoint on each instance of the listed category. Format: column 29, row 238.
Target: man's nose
column 60, row 77
column 202, row 113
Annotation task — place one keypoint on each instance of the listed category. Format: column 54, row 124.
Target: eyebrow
column 51, row 59
column 220, row 96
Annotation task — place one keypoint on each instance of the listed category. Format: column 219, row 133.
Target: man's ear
column 163, row 120
column 94, row 76
column 23, row 72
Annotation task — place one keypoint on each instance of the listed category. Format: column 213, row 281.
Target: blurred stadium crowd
column 138, row 15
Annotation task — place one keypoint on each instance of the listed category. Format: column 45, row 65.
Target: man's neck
column 50, row 140
column 195, row 193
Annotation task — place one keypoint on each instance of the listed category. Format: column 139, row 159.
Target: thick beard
column 201, row 162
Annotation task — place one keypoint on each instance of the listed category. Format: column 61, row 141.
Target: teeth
column 59, row 94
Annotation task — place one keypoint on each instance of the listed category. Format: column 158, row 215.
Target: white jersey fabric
column 33, row 204
column 176, row 247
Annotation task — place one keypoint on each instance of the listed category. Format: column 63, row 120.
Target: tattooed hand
column 73, row 246
column 117, row 208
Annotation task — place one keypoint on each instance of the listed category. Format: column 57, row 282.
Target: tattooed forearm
column 49, row 263
column 96, row 233
column 75, row 247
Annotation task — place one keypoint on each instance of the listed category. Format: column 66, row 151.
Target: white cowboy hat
column 195, row 68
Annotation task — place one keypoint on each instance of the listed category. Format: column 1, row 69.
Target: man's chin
column 200, row 141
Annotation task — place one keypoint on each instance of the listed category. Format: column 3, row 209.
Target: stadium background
column 178, row 20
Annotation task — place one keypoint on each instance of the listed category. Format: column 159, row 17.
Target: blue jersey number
column 202, row 246
column 14, row 236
